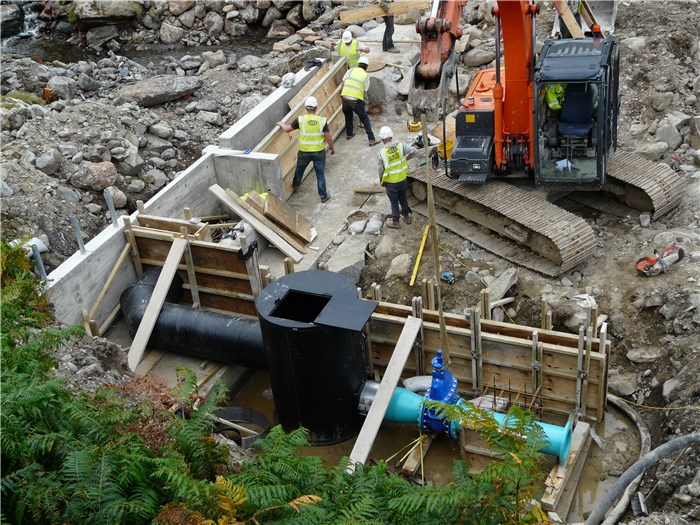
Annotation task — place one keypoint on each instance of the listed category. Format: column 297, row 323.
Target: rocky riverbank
column 112, row 123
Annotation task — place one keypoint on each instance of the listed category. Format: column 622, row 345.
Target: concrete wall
column 247, row 132
column 75, row 285
column 244, row 172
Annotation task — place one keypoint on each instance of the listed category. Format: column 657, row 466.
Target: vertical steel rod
column 78, row 233
column 110, row 206
column 38, row 262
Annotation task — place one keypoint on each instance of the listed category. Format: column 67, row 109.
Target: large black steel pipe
column 189, row 331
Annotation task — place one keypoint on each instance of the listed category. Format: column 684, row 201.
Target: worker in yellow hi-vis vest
column 354, row 94
column 349, row 48
column 313, row 136
column 393, row 170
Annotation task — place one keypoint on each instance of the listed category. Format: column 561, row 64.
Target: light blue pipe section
column 407, row 407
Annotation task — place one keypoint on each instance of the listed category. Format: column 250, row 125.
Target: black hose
column 198, row 333
column 636, row 469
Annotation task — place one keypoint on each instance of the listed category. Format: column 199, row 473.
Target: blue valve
column 448, row 277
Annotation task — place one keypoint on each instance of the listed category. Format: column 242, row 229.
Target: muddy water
column 392, row 440
column 601, row 472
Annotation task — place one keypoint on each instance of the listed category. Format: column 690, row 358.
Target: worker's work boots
column 407, row 219
column 393, row 224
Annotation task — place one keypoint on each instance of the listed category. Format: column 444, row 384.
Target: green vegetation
column 9, row 101
column 124, row 456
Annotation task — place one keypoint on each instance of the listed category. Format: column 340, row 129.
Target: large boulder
column 15, row 118
column 11, row 19
column 105, row 9
column 667, row 132
column 97, row 36
column 169, row 34
column 295, row 17
column 214, row 59
column 177, row 7
column 214, row 24
column 49, row 162
column 652, row 151
column 159, row 89
column 95, row 175
column 478, row 57
column 271, row 15
column 63, row 87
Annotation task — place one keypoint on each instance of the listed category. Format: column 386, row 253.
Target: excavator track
column 647, row 186
column 558, row 239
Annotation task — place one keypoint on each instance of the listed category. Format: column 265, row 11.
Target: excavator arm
column 430, row 77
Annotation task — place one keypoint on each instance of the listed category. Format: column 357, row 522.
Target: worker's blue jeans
column 319, row 160
column 396, row 191
column 351, row 106
column 387, row 41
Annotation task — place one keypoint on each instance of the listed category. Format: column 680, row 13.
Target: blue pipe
column 408, row 407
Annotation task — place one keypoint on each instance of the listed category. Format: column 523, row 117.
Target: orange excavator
column 508, row 129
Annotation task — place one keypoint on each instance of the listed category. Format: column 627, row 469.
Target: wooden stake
column 252, row 265
column 191, row 275
column 417, row 310
column 140, row 207
column 543, row 314
column 187, row 214
column 580, row 373
column 90, row 325
column 486, row 304
column 131, row 238
column 288, row 266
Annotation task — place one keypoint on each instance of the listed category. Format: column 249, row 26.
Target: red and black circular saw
column 660, row 262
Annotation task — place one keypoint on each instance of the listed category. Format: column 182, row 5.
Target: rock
column 311, row 9
column 385, row 248
column 155, row 177
column 669, row 310
column 399, row 267
column 11, row 19
column 663, row 239
column 281, row 29
column 645, row 219
column 49, row 162
column 159, row 89
column 472, row 278
column 251, row 62
column 249, row 103
column 97, row 36
column 500, row 286
column 169, row 154
column 15, row 118
column 63, row 87
column 161, row 129
column 250, row 14
column 207, row 105
column 93, row 208
column 295, row 17
column 105, row 10
column 169, row 34
column 67, row 194
column 635, row 43
column 65, row 27
column 478, row 57
column 349, row 258
column 264, row 4
column 678, row 119
column 5, row 189
column 94, row 175
column 271, row 15
column 645, row 355
column 214, row 59
column 667, row 132
column 566, row 282
column 187, row 18
column 210, row 118
column 463, row 83
column 214, row 24
column 132, row 163
column 661, row 101
column 86, row 83
column 652, row 151
column 623, row 384
column 669, row 387
column 136, row 186
column 118, row 197
column 177, row 7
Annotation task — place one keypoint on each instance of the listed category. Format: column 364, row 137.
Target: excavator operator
column 555, row 96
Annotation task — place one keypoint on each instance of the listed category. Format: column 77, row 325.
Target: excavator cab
column 576, row 131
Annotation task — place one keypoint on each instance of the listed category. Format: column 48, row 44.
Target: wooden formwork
column 326, row 87
column 540, row 365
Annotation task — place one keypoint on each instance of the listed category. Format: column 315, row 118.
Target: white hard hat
column 385, row 133
column 363, row 60
column 311, row 102
column 347, row 37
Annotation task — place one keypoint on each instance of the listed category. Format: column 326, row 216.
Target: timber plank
column 168, row 224
column 286, row 216
column 228, row 305
column 204, row 255
column 368, row 433
column 263, row 227
column 374, row 11
column 304, row 92
column 256, row 201
column 150, row 316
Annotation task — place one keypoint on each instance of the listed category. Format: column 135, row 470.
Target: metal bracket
column 536, row 365
column 247, row 255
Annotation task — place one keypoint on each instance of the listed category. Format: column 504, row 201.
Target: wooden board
column 288, row 217
column 368, row 433
column 253, row 218
column 256, row 201
column 150, row 316
column 567, row 16
column 298, row 99
column 168, row 224
column 395, row 8
column 565, row 479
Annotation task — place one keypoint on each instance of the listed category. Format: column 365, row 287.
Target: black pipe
column 186, row 330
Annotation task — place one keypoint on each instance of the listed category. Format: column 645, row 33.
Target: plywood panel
column 288, row 217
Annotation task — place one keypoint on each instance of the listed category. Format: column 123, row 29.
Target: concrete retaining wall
column 75, row 285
